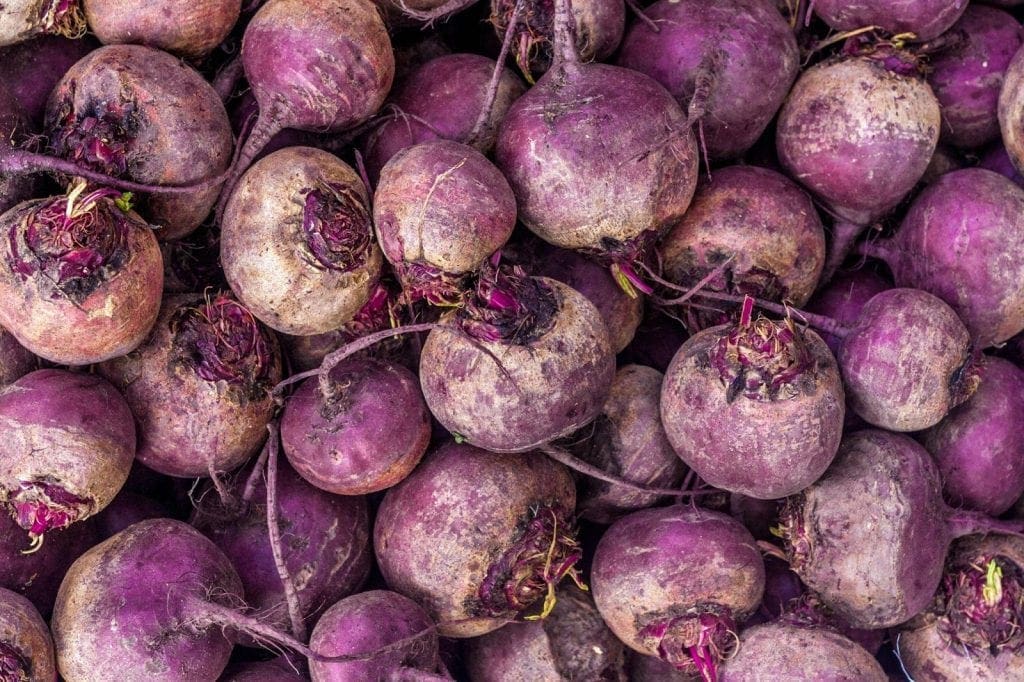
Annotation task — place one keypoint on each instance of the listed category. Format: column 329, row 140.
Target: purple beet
column 926, row 19
column 978, row 445
column 731, row 62
column 364, row 435
column 963, row 240
column 243, row 113
column 967, row 78
column 675, row 583
column 32, row 69
column 276, row 670
column 500, row 531
column 997, row 159
column 26, row 648
column 1011, row 110
column 844, row 298
column 187, row 29
column 871, row 536
column 628, row 441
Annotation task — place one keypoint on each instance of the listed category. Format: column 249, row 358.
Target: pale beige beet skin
column 778, row 651
column 80, row 320
column 25, row 644
column 188, row 425
column 556, row 382
column 187, row 28
column 1011, row 111
column 24, row 19
column 474, row 507
column 268, row 257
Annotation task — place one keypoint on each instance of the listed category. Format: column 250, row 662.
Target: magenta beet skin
column 926, row 19
column 26, row 648
column 844, row 298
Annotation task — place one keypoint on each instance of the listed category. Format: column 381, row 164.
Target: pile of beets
column 511, row 341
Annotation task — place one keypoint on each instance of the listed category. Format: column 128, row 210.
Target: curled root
column 13, row 665
column 507, row 306
column 64, row 18
column 337, row 228
column 40, row 507
column 983, row 606
column 696, row 642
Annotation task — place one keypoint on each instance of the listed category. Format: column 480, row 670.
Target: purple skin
column 126, row 509
column 243, row 114
column 601, row 158
column 963, row 241
column 15, row 360
column 967, row 78
column 440, row 210
column 118, row 111
column 325, row 543
column 675, row 582
column 446, row 94
column 33, row 68
column 844, row 298
column 572, row 643
column 977, row 445
column 69, row 442
column 501, row 537
column 1011, row 111
column 997, row 159
column 761, row 219
column 200, row 385
column 364, row 438
column 907, row 361
column 187, row 29
column 741, row 53
column 743, row 381
column 926, row 19
column 973, row 630
column 156, row 581
column 526, row 362
column 628, row 441
column 26, row 649
column 870, row 537
column 782, row 651
column 38, row 575
column 367, row 622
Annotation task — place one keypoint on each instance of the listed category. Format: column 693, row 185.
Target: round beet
column 740, row 54
column 500, row 536
column 367, row 622
column 69, row 442
column 975, row 628
column 977, row 446
column 81, row 276
column 527, row 361
column 926, row 19
column 760, row 219
column 366, row 435
column 24, row 19
column 32, row 69
column 741, row 382
column 844, row 298
column 674, row 583
column 200, row 385
column 297, row 241
column 780, row 651
column 26, row 649
column 440, row 210
column 572, row 643
column 187, row 28
column 629, row 441
column 1011, row 110
column 138, row 113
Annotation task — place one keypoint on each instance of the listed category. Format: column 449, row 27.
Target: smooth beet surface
column 189, row 29
column 926, row 19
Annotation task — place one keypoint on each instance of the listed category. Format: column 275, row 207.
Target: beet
column 21, row 20
column 674, row 583
column 844, row 298
column 118, row 111
column 760, row 219
column 367, row 622
column 782, row 651
column 441, row 209
column 69, row 443
column 963, row 240
column 600, row 157
column 972, row 631
column 1011, row 110
column 629, row 441
column 501, row 536
column 740, row 54
column 187, row 29
column 527, row 361
column 26, row 649
column 572, row 643
column 200, row 385
column 297, row 241
column 977, row 445
column 365, row 435
column 441, row 99
column 870, row 537
column 81, row 277
column 997, row 159
column 33, row 68
column 276, row 670
column 744, row 381
column 926, row 19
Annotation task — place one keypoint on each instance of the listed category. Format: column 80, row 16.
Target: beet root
column 844, row 298
column 186, row 29
column 200, row 385
column 926, row 19
column 501, row 536
column 69, row 445
column 297, row 242
column 675, row 582
column 26, row 649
